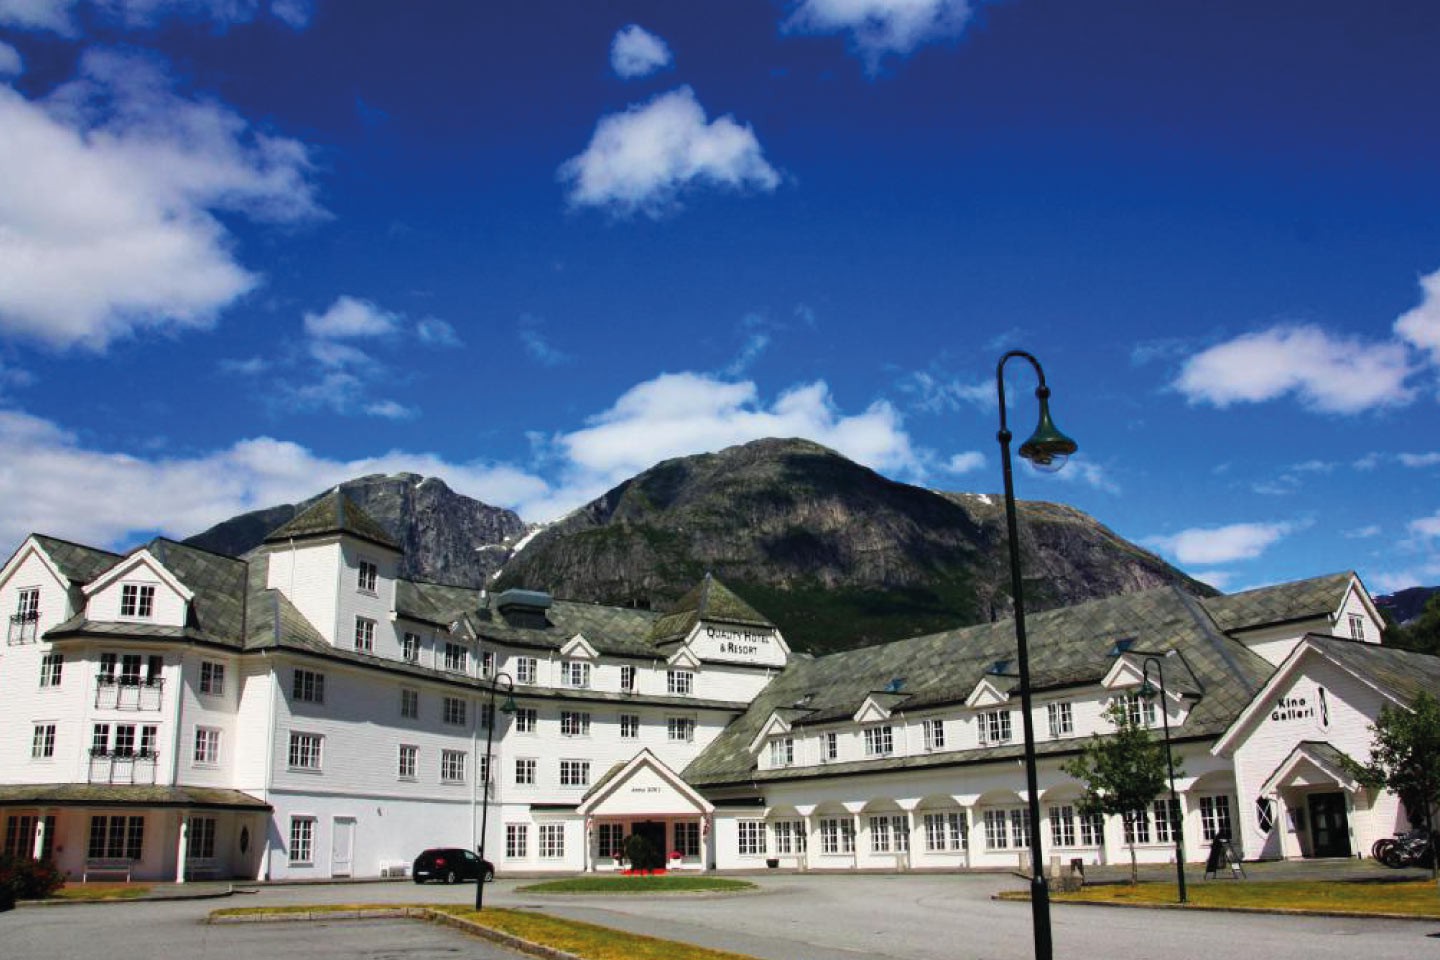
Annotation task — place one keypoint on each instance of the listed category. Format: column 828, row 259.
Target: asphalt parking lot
column 793, row 917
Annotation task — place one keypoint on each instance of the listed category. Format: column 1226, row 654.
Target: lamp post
column 1047, row 449
column 507, row 708
column 1177, row 824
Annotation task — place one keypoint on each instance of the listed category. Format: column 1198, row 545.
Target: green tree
column 1123, row 772
column 1405, row 756
column 1421, row 634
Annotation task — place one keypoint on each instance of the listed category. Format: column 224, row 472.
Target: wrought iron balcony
column 129, row 693
column 138, row 767
column 24, row 627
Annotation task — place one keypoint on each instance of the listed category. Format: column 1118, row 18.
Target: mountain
column 448, row 537
column 1404, row 606
column 837, row 555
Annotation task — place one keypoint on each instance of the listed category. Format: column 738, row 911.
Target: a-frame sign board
column 1223, row 856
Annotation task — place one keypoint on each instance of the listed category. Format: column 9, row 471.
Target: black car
column 451, row 865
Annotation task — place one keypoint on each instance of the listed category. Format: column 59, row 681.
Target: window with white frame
column 1357, row 626
column 1215, row 817
column 945, row 831
column 789, row 836
column 485, row 772
column 679, row 683
column 487, row 663
column 116, row 838
column 409, row 703
column 137, row 600
column 525, row 670
column 687, row 838
column 997, row 829
column 1137, row 826
column 629, row 726
column 525, row 719
column 525, row 771
column 610, row 838
column 410, row 647
column 517, row 841
column 1167, row 814
column 1092, row 829
column 830, row 746
column 680, row 729
column 1265, row 814
column 28, row 607
column 1139, row 710
column 453, row 711
column 575, row 673
column 305, row 750
column 1020, row 827
column 308, row 686
column 452, row 766
column 889, row 833
column 934, row 731
column 365, row 635
column 627, row 677
column 367, row 576
column 1062, row 719
column 782, row 751
column 1062, row 825
column 837, row 835
column 487, row 715
column 201, row 842
column 879, row 741
column 207, row 746
column 408, row 763
column 42, row 741
column 574, row 723
column 1322, row 701
column 100, row 739
column 212, row 678
column 750, row 836
column 574, row 773
column 302, row 840
column 52, row 666
column 457, row 657
column 552, row 841
column 994, row 726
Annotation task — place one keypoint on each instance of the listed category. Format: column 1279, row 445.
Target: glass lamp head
column 1048, row 448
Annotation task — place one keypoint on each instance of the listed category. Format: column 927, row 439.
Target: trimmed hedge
column 24, row 879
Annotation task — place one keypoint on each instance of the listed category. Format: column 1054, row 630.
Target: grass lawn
column 1415, row 898
column 589, row 941
column 101, row 891
column 668, row 883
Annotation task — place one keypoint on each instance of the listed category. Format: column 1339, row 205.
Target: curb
column 49, row 904
column 1206, row 908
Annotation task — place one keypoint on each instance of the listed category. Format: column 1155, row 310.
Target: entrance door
column 1329, row 828
column 342, row 846
column 654, row 832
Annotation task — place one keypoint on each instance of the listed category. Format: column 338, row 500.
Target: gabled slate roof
column 1068, row 646
column 79, row 563
column 331, row 514
column 1402, row 672
column 88, row 794
column 708, row 600
column 1283, row 603
column 617, row 631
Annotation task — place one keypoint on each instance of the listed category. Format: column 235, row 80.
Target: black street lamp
column 1177, row 824
column 507, row 708
column 1047, row 449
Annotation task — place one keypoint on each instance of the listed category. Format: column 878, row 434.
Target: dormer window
column 680, row 683
column 137, row 600
column 627, row 678
column 994, row 727
column 1357, row 626
column 1139, row 710
column 368, row 576
column 410, row 647
column 576, row 674
column 782, row 751
column 457, row 657
column 879, row 741
column 364, row 635
column 934, row 734
column 1062, row 719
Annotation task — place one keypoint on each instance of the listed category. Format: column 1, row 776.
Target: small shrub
column 642, row 854
column 24, row 879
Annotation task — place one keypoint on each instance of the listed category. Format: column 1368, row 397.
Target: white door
column 342, row 846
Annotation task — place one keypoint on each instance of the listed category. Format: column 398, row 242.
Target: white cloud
column 108, row 194
column 58, row 16
column 1329, row 374
column 636, row 52
column 1426, row 527
column 124, row 496
column 936, row 395
column 391, row 410
column 10, row 63
column 1087, row 472
column 1420, row 326
column 967, row 462
column 1389, row 581
column 1219, row 579
column 295, row 14
column 350, row 317
column 641, row 160
column 541, row 350
column 1363, row 533
column 879, row 28
column 1368, row 462
column 435, row 332
column 1419, row 459
column 1206, row 545
column 685, row 413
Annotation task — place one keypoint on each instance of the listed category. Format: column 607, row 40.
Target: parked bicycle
column 1412, row 849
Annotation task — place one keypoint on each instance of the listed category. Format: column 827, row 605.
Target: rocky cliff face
column 836, row 554
column 448, row 537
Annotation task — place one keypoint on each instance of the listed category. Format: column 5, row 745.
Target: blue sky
column 249, row 248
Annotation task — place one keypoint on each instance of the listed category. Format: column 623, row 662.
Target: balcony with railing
column 24, row 627
column 137, row 767
column 129, row 693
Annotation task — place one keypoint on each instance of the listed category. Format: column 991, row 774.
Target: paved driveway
column 793, row 918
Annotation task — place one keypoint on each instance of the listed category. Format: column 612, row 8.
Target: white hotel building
column 302, row 712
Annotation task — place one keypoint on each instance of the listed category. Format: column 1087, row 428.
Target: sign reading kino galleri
column 1301, row 708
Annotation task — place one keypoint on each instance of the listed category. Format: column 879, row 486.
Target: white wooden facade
column 338, row 728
